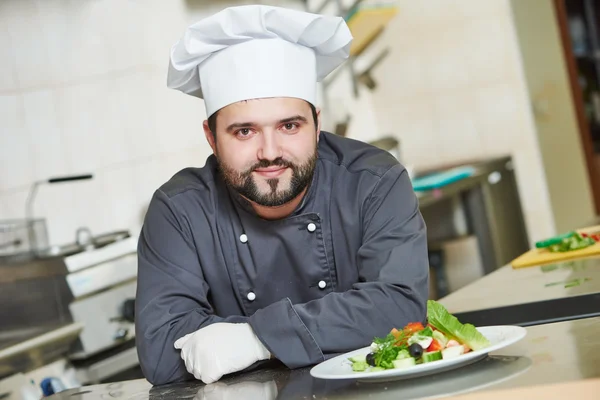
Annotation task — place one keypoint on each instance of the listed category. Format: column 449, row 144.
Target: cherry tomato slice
column 434, row 346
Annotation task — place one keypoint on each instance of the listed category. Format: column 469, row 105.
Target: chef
column 290, row 243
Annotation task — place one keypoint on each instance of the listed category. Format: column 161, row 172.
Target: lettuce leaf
column 425, row 332
column 448, row 324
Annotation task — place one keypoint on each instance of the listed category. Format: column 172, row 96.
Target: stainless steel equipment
column 16, row 234
column 91, row 284
column 29, row 236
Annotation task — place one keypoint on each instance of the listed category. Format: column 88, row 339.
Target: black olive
column 371, row 359
column 415, row 350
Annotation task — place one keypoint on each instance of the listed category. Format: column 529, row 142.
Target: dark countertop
column 550, row 353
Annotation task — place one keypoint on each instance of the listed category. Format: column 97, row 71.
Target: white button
column 322, row 284
column 243, row 238
column 311, row 227
column 251, row 296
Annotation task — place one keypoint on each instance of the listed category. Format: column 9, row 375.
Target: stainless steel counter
column 507, row 286
column 551, row 353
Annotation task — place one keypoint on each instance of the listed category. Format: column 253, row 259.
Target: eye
column 290, row 126
column 243, row 133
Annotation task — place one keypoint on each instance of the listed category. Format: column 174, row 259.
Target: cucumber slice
column 359, row 359
column 402, row 354
column 404, row 363
column 440, row 337
column 431, row 356
column 359, row 366
column 452, row 352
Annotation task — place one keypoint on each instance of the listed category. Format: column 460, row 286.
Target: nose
column 270, row 148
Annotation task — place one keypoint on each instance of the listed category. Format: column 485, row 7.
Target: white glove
column 220, row 349
column 237, row 391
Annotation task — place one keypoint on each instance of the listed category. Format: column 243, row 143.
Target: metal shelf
column 356, row 77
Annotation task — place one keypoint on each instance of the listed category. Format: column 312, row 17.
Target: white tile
column 81, row 42
column 499, row 103
column 444, row 60
column 500, row 116
column 136, row 111
column 455, row 126
column 23, row 24
column 489, row 55
column 92, row 127
column 57, row 203
column 402, row 77
column 81, row 110
column 176, row 161
column 411, row 122
column 148, row 176
column 178, row 120
column 420, row 13
column 435, row 12
column 432, row 13
column 115, row 120
column 15, row 154
column 476, row 8
column 59, row 31
column 8, row 71
column 171, row 18
column 92, row 208
column 124, row 37
column 196, row 156
column 122, row 207
column 45, row 135
column 13, row 203
column 402, row 72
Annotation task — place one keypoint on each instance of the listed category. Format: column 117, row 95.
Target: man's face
column 266, row 148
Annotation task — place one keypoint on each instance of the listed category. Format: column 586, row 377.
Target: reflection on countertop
column 550, row 353
column 526, row 285
column 281, row 383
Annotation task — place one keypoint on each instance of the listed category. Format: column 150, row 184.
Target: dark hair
column 212, row 120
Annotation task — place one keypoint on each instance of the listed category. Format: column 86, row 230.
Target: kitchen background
column 82, row 90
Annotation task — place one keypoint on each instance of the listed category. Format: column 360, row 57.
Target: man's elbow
column 159, row 368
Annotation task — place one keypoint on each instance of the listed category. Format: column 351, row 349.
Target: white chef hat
column 257, row 51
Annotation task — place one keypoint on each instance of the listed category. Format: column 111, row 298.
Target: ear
column 210, row 137
column 318, row 123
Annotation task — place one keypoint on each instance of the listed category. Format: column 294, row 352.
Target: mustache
column 278, row 162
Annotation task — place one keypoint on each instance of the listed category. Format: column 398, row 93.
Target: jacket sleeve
column 393, row 285
column 171, row 299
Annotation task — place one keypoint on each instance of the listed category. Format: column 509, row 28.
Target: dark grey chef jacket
column 349, row 264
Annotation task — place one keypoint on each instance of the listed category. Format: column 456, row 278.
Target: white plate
column 341, row 368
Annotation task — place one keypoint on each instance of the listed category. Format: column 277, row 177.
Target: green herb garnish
column 388, row 349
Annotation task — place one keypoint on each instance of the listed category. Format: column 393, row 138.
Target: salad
column 568, row 242
column 444, row 337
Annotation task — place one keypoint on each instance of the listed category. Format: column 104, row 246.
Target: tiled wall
column 82, row 90
column 454, row 90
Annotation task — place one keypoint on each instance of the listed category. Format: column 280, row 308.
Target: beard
column 245, row 184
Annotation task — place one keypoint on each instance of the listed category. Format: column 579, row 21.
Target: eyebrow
column 240, row 125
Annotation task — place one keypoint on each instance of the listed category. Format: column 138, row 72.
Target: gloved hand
column 220, row 349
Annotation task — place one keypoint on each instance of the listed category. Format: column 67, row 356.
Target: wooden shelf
column 366, row 24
